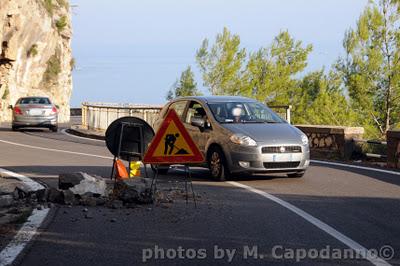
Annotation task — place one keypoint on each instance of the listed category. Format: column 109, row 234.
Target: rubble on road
column 81, row 183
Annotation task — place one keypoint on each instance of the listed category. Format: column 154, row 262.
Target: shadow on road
column 385, row 177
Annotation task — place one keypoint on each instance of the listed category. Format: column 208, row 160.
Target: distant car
column 241, row 135
column 34, row 112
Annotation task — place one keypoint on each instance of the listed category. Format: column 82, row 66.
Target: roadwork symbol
column 172, row 144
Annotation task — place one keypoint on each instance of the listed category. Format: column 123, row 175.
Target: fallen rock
column 133, row 190
column 68, row 180
column 6, row 200
column 90, row 184
column 69, row 197
column 88, row 201
column 55, row 195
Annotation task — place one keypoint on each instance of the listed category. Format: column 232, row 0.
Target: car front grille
column 281, row 149
column 275, row 165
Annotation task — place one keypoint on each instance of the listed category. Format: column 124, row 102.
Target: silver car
column 34, row 112
column 241, row 135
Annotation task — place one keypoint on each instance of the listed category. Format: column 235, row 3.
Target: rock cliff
column 35, row 53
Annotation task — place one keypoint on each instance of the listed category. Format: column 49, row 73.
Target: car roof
column 211, row 99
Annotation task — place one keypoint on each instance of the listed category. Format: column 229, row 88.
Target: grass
column 49, row 6
column 5, row 94
column 72, row 63
column 53, row 69
column 61, row 23
column 33, row 51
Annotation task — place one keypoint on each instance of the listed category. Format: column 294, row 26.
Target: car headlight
column 304, row 139
column 244, row 140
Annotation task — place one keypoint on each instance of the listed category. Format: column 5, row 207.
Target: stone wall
column 35, row 53
column 332, row 142
column 393, row 142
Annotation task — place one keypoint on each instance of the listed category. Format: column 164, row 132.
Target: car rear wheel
column 217, row 164
column 296, row 175
column 14, row 128
column 54, row 129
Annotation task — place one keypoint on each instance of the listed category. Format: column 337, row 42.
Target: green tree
column 270, row 74
column 321, row 101
column 371, row 66
column 221, row 63
column 186, row 86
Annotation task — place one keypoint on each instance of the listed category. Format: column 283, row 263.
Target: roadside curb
column 75, row 130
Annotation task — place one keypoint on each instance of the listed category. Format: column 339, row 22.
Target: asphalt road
column 364, row 206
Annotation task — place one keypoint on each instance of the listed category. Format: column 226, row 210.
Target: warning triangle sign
column 172, row 144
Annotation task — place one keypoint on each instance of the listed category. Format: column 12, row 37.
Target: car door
column 199, row 135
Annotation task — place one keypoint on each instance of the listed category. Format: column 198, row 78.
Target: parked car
column 241, row 135
column 34, row 112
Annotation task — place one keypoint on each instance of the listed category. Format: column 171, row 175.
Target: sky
column 130, row 51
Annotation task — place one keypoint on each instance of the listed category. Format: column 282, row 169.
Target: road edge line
column 64, row 131
column 362, row 251
column 54, row 150
column 357, row 167
column 29, row 229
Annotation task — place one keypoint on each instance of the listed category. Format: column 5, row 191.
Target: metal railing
column 99, row 116
column 373, row 142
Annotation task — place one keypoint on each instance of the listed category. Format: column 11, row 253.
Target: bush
column 49, row 6
column 33, row 51
column 52, row 70
column 61, row 23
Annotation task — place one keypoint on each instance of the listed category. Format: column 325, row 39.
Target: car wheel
column 14, row 128
column 217, row 164
column 54, row 129
column 296, row 175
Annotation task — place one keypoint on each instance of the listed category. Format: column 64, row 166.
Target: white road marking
column 64, row 131
column 318, row 223
column 55, row 150
column 358, row 167
column 22, row 238
column 28, row 229
column 32, row 185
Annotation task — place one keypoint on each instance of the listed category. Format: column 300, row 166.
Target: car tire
column 296, row 175
column 217, row 164
column 54, row 129
column 14, row 128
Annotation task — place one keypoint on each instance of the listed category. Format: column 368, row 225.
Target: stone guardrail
column 332, row 142
column 98, row 116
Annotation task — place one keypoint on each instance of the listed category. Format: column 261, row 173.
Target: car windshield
column 34, row 100
column 243, row 112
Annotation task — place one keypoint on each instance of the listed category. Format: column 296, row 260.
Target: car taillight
column 17, row 111
column 54, row 110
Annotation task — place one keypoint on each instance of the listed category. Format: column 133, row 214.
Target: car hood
column 266, row 132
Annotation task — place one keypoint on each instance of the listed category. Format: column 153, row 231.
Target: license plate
column 35, row 112
column 285, row 157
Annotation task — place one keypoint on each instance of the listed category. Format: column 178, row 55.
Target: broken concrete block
column 133, row 190
column 90, row 184
column 68, row 197
column 88, row 200
column 6, row 200
column 68, row 180
column 55, row 195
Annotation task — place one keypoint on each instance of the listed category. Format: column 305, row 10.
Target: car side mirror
column 10, row 107
column 197, row 122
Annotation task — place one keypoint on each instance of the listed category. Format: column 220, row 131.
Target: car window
column 195, row 110
column 243, row 112
column 34, row 100
column 179, row 107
